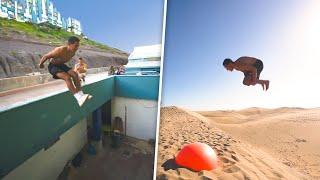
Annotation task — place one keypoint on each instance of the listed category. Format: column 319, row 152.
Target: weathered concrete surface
column 26, row 81
column 9, row 99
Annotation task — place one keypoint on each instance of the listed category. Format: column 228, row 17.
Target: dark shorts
column 259, row 66
column 54, row 69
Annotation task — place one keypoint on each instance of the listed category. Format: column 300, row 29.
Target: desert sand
column 290, row 135
column 239, row 158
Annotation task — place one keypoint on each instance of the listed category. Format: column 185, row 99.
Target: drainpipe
column 125, row 120
column 96, row 124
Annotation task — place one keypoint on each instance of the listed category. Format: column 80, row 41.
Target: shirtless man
column 251, row 68
column 81, row 68
column 59, row 70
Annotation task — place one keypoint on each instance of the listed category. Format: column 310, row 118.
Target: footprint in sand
column 226, row 144
column 232, row 152
column 234, row 158
column 220, row 153
column 301, row 140
column 226, row 161
column 232, row 169
column 226, row 149
column 217, row 138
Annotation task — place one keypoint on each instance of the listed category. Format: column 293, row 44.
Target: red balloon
column 197, row 156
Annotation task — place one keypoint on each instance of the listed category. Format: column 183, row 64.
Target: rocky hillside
column 23, row 44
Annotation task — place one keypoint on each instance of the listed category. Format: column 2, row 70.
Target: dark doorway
column 106, row 113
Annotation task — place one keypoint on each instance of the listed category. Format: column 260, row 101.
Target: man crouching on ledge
column 57, row 68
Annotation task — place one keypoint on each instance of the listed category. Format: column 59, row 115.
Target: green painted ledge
column 139, row 87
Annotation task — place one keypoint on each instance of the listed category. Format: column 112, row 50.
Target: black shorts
column 259, row 66
column 54, row 69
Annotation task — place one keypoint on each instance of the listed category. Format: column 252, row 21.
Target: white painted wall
column 48, row 164
column 141, row 116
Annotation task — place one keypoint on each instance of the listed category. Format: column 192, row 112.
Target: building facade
column 144, row 60
column 38, row 11
column 74, row 26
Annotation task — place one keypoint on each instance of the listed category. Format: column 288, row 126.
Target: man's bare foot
column 267, row 84
column 89, row 96
column 262, row 86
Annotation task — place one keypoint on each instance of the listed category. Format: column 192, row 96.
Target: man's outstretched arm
column 47, row 56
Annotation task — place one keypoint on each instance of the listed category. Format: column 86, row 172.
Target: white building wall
column 51, row 12
column 141, row 116
column 16, row 9
column 3, row 12
column 71, row 22
column 59, row 21
column 44, row 16
column 27, row 12
column 48, row 164
column 34, row 9
column 48, row 14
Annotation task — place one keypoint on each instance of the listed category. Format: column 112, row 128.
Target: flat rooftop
column 21, row 96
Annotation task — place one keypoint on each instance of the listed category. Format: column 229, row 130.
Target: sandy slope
column 290, row 135
column 238, row 160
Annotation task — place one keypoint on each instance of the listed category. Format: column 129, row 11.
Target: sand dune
column 290, row 135
column 237, row 159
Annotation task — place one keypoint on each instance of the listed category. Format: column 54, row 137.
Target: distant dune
column 239, row 158
column 290, row 135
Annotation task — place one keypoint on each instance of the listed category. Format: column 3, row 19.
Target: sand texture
column 291, row 135
column 238, row 159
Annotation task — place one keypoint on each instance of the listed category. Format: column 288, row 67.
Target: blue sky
column 201, row 34
column 122, row 24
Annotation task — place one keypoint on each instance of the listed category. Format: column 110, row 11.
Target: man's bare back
column 246, row 60
column 251, row 67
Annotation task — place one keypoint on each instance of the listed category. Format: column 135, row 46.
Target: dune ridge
column 290, row 135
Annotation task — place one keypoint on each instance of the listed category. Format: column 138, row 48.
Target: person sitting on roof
column 112, row 70
column 120, row 70
column 81, row 68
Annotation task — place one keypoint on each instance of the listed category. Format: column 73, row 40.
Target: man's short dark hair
column 73, row 39
column 227, row 61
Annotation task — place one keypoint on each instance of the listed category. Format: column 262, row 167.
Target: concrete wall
column 97, row 70
column 25, row 81
column 28, row 128
column 141, row 116
column 138, row 87
column 48, row 164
